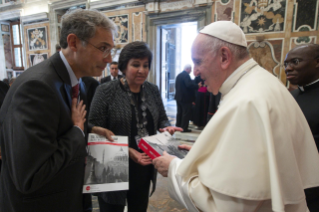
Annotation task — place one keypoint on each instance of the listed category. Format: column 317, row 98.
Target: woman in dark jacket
column 132, row 107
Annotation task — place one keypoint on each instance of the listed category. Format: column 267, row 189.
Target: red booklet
column 155, row 145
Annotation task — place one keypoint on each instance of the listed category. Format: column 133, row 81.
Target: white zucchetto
column 226, row 31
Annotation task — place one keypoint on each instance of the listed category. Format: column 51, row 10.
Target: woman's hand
column 140, row 158
column 171, row 129
column 103, row 131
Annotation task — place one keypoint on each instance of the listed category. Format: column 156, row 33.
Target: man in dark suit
column 114, row 73
column 302, row 69
column 184, row 97
column 3, row 91
column 43, row 126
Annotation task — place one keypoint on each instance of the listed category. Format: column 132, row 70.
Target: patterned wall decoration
column 296, row 41
column 121, row 22
column 305, row 15
column 137, row 26
column 224, row 10
column 262, row 16
column 37, row 41
column 37, row 58
column 7, row 50
column 37, row 38
column 4, row 28
column 268, row 55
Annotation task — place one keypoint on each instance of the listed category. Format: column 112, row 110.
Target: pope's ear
column 72, row 40
column 225, row 57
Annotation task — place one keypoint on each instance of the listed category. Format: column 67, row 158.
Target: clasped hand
column 78, row 113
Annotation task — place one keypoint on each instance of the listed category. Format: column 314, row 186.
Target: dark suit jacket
column 3, row 91
column 90, row 86
column 43, row 153
column 185, row 88
column 108, row 78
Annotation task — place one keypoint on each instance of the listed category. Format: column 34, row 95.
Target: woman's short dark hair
column 137, row 50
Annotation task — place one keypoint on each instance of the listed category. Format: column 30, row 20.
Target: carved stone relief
column 176, row 5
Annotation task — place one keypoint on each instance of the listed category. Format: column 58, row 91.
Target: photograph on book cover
column 164, row 142
column 106, row 164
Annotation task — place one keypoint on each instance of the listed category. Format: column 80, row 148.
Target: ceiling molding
column 65, row 4
column 34, row 17
column 110, row 3
column 12, row 14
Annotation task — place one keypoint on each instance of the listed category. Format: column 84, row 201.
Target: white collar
column 74, row 80
column 236, row 75
column 302, row 87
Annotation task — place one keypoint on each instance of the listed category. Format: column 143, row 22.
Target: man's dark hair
column 57, row 47
column 137, row 50
column 114, row 63
column 83, row 24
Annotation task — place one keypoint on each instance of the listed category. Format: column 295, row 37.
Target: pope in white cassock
column 257, row 153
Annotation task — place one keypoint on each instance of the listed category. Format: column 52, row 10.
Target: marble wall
column 272, row 27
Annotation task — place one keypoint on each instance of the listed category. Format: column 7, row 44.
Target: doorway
column 175, row 49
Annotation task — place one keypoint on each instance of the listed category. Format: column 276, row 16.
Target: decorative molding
column 176, row 5
column 64, row 4
column 34, row 17
column 10, row 3
column 110, row 3
column 304, row 27
column 12, row 14
column 262, row 44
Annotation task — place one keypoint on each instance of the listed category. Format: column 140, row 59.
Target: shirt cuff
column 80, row 129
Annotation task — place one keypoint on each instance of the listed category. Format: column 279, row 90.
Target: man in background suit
column 43, row 120
column 114, row 73
column 184, row 96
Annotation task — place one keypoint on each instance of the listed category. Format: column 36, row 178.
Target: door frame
column 201, row 15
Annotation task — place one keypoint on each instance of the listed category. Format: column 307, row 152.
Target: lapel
column 64, row 75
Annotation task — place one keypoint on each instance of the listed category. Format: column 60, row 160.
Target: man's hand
column 103, row 131
column 185, row 146
column 162, row 163
column 171, row 129
column 140, row 158
column 78, row 113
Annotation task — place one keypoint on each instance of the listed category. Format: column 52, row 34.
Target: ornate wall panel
column 37, row 42
column 130, row 23
column 262, row 16
column 224, row 10
column 305, row 15
column 137, row 26
column 268, row 54
column 296, row 41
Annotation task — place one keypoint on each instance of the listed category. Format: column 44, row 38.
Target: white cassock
column 257, row 153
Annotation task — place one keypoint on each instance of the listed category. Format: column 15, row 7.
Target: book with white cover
column 106, row 164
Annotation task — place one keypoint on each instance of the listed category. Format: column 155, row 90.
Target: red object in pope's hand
column 148, row 149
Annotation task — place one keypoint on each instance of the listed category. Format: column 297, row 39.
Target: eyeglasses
column 105, row 50
column 295, row 62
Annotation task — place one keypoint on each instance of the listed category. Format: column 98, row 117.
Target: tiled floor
column 160, row 200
